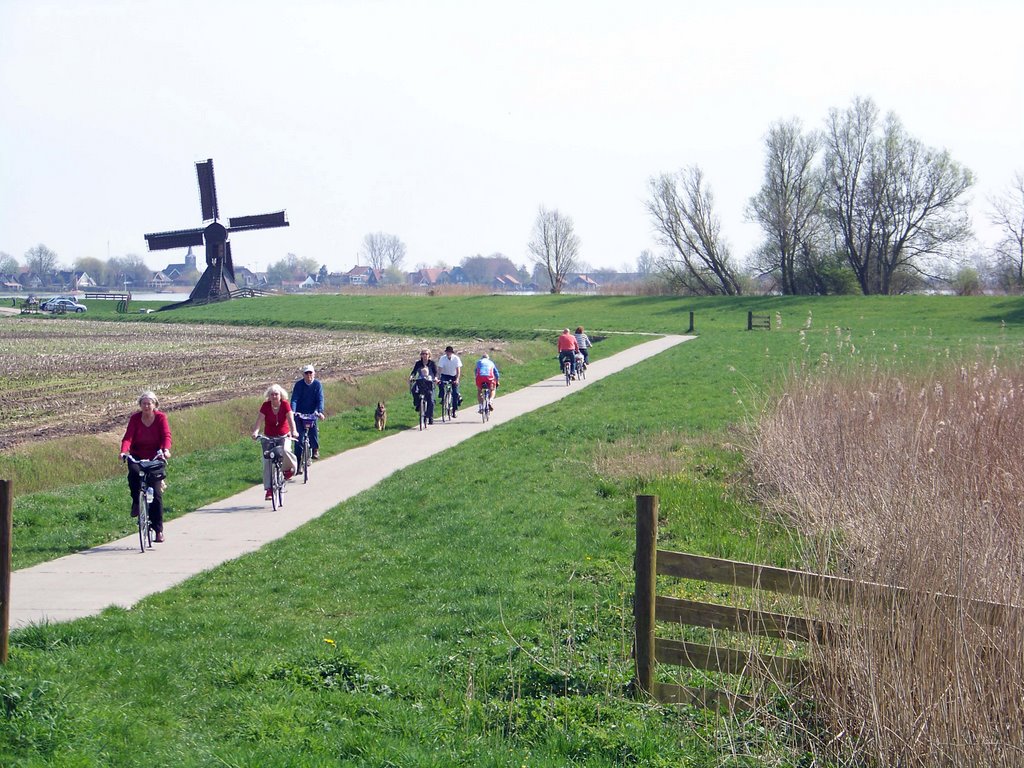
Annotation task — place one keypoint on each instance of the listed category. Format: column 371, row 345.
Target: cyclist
column 278, row 421
column 147, row 433
column 450, row 368
column 486, row 373
column 308, row 397
column 423, row 376
column 567, row 348
column 583, row 343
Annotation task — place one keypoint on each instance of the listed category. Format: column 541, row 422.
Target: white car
column 62, row 304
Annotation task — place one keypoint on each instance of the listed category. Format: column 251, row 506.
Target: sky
column 450, row 123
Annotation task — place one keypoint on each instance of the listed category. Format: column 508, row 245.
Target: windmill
column 218, row 281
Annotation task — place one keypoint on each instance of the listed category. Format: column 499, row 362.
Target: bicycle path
column 118, row 574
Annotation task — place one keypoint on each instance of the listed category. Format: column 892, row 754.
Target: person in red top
column 567, row 347
column 278, row 421
column 147, row 433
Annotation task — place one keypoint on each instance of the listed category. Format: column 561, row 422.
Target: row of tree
column 112, row 272
column 858, row 205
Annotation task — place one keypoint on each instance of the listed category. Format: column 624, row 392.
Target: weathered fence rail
column 813, row 588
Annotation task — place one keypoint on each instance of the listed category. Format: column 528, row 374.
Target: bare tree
column 788, row 209
column 554, row 246
column 890, row 201
column 645, row 262
column 1007, row 213
column 8, row 264
column 682, row 207
column 41, row 260
column 383, row 251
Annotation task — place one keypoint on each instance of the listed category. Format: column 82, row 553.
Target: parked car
column 62, row 304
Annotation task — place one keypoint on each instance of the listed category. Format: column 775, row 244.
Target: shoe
column 454, row 414
column 316, row 455
column 135, row 509
column 288, row 475
column 159, row 539
column 270, row 495
column 490, row 407
column 430, row 422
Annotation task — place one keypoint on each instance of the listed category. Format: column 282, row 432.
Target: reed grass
column 912, row 480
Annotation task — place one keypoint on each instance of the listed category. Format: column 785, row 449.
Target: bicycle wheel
column 423, row 412
column 446, row 404
column 485, row 411
column 581, row 372
column 276, row 482
column 307, row 452
column 143, row 520
column 567, row 370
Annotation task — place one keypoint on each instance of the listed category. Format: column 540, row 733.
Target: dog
column 380, row 417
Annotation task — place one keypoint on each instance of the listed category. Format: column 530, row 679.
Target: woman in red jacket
column 279, row 422
column 147, row 433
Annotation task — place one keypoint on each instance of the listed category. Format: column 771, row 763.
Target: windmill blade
column 182, row 238
column 207, row 190
column 259, row 221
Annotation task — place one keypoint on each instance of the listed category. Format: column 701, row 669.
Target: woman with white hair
column 147, row 434
column 278, row 422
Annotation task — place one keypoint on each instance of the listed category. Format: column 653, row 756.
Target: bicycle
column 485, row 404
column 447, row 401
column 581, row 369
column 567, row 370
column 150, row 473
column 305, row 450
column 273, row 450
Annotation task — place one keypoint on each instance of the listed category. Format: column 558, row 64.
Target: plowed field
column 78, row 376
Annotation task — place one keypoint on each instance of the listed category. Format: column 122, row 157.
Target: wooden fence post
column 690, row 329
column 750, row 320
column 645, row 566
column 6, row 531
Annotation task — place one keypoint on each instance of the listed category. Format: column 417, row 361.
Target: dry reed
column 913, row 481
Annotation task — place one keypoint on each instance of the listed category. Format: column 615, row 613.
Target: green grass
column 472, row 609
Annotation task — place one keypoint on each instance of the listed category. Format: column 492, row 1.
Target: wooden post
column 690, row 329
column 750, row 320
column 645, row 565
column 6, row 531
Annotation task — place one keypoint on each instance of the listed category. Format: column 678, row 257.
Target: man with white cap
column 308, row 398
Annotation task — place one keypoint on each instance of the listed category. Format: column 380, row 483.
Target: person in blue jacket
column 308, row 398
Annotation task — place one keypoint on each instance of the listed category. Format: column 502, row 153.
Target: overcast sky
column 449, row 123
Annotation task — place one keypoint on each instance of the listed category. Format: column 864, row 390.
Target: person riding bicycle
column 423, row 376
column 278, row 422
column 308, row 398
column 146, row 435
column 583, row 343
column 486, row 373
column 450, row 368
column 567, row 348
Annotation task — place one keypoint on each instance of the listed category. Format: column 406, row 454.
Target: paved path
column 117, row 573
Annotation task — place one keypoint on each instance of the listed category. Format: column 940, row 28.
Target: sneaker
column 270, row 495
column 316, row 455
column 430, row 422
column 135, row 509
column 288, row 475
column 454, row 414
column 159, row 537
column 490, row 407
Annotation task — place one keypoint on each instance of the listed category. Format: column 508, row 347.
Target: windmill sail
column 182, row 238
column 259, row 221
column 207, row 190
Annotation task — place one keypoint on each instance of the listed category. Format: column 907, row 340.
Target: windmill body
column 218, row 281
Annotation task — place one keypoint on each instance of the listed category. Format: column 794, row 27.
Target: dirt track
column 70, row 376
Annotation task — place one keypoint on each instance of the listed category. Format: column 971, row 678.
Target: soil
column 72, row 376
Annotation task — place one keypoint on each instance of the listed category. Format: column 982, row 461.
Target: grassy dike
column 473, row 609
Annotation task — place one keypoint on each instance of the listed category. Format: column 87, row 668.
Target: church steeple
column 190, row 260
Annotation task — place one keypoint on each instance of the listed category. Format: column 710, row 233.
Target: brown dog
column 380, row 417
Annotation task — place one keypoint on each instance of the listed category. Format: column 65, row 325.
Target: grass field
column 469, row 611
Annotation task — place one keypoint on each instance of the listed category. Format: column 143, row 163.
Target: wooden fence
column 650, row 608
column 758, row 321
